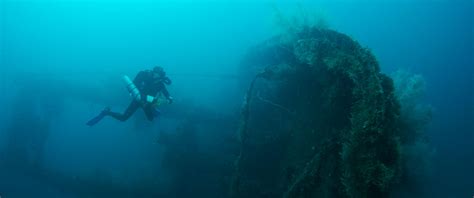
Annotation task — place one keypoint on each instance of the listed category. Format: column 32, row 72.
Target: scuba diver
column 145, row 90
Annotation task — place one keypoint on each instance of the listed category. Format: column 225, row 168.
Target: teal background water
column 81, row 48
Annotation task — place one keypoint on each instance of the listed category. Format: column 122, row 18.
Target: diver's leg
column 149, row 112
column 128, row 112
column 98, row 118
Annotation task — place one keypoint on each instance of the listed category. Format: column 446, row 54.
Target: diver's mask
column 159, row 71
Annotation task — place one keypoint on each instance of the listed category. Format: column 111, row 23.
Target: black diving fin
column 98, row 118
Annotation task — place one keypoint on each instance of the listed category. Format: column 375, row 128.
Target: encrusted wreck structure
column 319, row 120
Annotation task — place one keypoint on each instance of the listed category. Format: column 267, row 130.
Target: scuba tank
column 132, row 89
column 134, row 92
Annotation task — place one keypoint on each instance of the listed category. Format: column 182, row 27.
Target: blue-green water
column 61, row 63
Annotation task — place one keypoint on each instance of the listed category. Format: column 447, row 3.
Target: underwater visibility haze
column 231, row 98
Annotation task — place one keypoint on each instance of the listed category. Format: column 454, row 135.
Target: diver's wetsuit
column 147, row 84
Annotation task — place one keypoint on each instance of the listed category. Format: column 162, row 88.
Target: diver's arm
column 165, row 92
column 162, row 91
column 167, row 81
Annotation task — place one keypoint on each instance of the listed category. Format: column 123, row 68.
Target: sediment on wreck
column 320, row 122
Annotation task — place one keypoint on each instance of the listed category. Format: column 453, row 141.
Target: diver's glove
column 170, row 99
